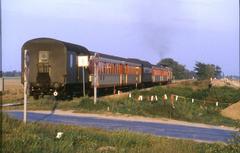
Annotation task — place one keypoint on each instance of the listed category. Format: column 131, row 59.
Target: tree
column 218, row 72
column 13, row 73
column 207, row 71
column 189, row 74
column 179, row 70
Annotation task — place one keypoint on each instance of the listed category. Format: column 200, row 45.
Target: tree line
column 201, row 70
column 13, row 73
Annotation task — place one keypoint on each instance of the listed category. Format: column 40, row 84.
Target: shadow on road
column 51, row 113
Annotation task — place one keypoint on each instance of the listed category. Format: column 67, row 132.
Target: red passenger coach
column 115, row 71
column 161, row 74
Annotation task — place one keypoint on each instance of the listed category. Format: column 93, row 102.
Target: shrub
column 88, row 104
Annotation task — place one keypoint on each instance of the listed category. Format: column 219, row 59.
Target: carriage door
column 43, row 66
column 121, row 74
column 126, row 72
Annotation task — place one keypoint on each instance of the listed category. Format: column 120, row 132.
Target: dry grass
column 193, row 84
column 232, row 111
column 226, row 82
column 13, row 90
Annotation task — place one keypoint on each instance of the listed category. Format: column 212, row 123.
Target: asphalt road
column 159, row 129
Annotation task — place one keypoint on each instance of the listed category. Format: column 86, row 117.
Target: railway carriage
column 53, row 67
column 161, row 74
column 115, row 71
column 146, row 71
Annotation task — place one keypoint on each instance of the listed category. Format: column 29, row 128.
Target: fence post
column 95, row 79
column 130, row 95
column 2, row 88
column 2, row 84
column 172, row 101
column 26, row 76
column 151, row 99
column 176, row 98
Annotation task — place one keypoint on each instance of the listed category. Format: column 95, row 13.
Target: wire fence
column 173, row 98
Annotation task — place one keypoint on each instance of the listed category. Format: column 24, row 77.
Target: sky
column 185, row 30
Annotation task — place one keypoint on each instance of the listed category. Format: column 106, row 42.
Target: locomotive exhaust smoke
column 156, row 38
column 155, row 24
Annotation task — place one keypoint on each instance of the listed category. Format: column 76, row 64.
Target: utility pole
column 83, row 71
column 26, row 71
column 95, row 79
column 2, row 84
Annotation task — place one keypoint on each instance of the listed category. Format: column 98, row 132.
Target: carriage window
column 71, row 60
column 43, row 62
column 43, row 57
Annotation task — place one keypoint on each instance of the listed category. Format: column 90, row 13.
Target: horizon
column 195, row 31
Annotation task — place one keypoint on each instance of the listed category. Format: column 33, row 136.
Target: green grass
column 41, row 138
column 184, row 110
column 220, row 94
column 8, row 101
column 199, row 111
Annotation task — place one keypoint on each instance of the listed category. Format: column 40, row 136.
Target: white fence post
column 26, row 75
column 130, row 95
column 176, row 98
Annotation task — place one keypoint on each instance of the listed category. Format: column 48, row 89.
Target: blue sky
column 186, row 30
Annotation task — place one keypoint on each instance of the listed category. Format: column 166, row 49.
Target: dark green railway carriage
column 53, row 67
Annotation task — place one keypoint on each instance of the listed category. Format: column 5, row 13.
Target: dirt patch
column 107, row 149
column 226, row 82
column 203, row 84
column 13, row 89
column 193, row 84
column 232, row 111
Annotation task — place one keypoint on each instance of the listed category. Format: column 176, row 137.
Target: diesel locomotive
column 54, row 70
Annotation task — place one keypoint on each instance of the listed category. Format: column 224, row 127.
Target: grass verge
column 199, row 111
column 41, row 138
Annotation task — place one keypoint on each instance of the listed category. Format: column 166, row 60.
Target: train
column 54, row 68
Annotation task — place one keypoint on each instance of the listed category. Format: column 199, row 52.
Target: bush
column 88, row 104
